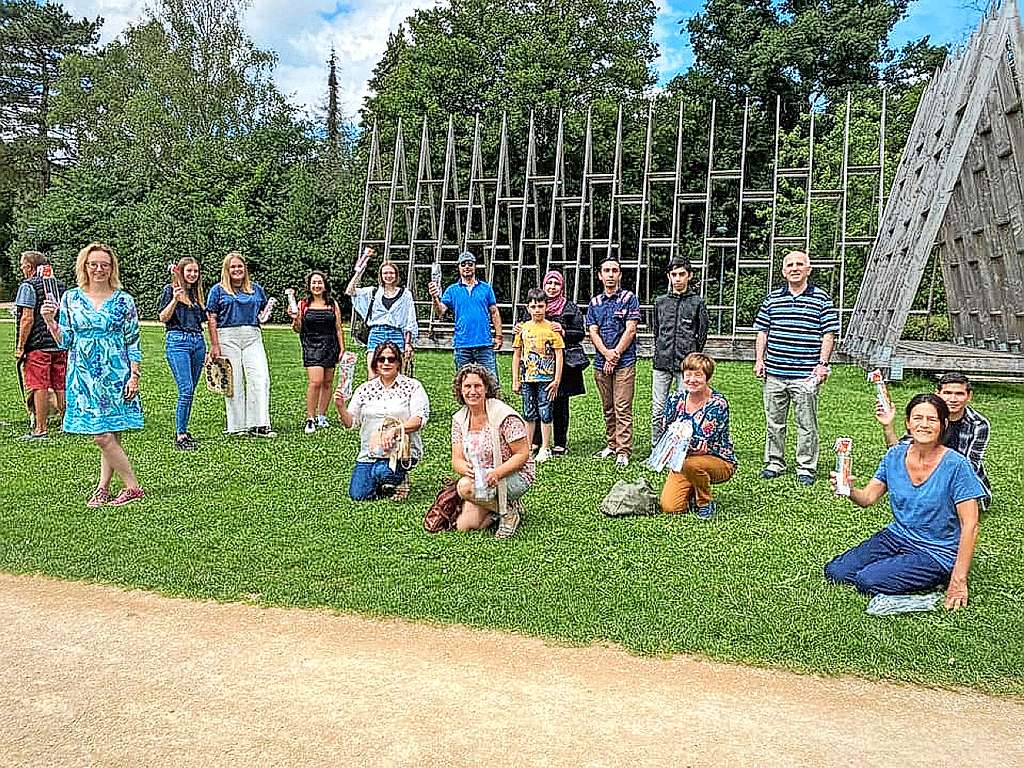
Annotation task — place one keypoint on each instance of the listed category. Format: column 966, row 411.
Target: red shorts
column 46, row 370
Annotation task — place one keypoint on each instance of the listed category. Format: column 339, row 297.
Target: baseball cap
column 466, row 256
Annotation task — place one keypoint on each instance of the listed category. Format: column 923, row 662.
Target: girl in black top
column 322, row 336
column 181, row 312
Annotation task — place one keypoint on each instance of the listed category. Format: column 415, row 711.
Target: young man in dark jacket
column 680, row 326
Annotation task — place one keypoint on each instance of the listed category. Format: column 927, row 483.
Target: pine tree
column 332, row 102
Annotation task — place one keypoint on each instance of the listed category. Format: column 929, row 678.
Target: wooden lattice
column 957, row 197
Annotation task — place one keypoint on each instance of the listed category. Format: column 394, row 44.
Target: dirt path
column 92, row 675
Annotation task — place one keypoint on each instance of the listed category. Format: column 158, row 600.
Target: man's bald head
column 796, row 268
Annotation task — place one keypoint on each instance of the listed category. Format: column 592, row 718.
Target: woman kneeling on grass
column 711, row 458
column 390, row 410
column 493, row 437
column 934, row 496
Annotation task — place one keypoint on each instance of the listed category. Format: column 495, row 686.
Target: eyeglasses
column 387, row 359
column 95, row 266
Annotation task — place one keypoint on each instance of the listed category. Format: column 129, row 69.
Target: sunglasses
column 387, row 359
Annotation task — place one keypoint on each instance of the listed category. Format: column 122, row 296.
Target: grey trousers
column 661, row 383
column 778, row 393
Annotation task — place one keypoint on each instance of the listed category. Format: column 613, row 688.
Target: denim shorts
column 515, row 486
column 537, row 402
column 381, row 333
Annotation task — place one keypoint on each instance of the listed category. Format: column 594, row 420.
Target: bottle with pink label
column 346, row 373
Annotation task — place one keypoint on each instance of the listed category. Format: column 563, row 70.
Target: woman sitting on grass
column 711, row 458
column 390, row 410
column 934, row 496
column 492, row 437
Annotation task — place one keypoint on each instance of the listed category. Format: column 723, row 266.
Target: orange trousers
column 699, row 473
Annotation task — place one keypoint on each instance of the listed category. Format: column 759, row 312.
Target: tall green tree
column 34, row 40
column 802, row 50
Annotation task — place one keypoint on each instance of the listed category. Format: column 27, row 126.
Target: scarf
column 555, row 306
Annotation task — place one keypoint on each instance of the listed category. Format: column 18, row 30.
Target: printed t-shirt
column 538, row 342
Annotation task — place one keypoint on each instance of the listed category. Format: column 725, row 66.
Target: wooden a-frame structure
column 958, row 198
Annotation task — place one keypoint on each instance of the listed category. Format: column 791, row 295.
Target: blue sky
column 301, row 33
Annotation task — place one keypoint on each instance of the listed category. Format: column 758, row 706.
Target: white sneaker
column 605, row 453
column 542, row 455
column 322, row 422
column 622, row 461
column 310, row 427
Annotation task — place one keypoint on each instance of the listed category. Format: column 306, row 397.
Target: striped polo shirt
column 795, row 326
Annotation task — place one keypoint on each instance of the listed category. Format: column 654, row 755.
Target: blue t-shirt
column 26, row 296
column 925, row 515
column 185, row 318
column 238, row 310
column 472, row 310
column 610, row 314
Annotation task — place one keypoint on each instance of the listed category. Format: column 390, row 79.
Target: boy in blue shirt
column 537, row 369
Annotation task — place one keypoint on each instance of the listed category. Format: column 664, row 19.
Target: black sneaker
column 262, row 432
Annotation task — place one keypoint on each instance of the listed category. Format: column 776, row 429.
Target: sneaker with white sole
column 542, row 455
column 126, row 496
column 99, row 497
column 322, row 422
column 262, row 432
column 605, row 453
column 310, row 427
column 622, row 461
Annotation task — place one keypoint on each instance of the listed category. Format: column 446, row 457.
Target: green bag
column 630, row 497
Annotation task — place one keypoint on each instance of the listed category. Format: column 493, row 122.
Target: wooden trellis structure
column 957, row 199
column 543, row 215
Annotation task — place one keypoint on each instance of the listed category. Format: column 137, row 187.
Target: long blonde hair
column 82, row 274
column 225, row 277
column 192, row 293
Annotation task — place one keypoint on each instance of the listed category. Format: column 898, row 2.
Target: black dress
column 319, row 338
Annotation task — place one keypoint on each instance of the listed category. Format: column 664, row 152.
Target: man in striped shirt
column 796, row 327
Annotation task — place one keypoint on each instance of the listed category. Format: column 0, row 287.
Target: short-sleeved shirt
column 236, row 310
column 373, row 402
column 610, row 314
column 538, row 342
column 26, row 296
column 185, row 318
column 795, row 326
column 513, row 428
column 925, row 515
column 472, row 310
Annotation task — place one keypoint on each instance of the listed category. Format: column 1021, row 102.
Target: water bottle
column 267, row 310
column 293, row 306
column 347, row 370
column 435, row 274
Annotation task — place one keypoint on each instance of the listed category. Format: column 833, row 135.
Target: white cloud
column 298, row 32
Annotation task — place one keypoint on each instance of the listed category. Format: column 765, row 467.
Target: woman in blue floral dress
column 98, row 322
column 711, row 458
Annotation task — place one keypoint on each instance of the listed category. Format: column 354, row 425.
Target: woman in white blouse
column 390, row 410
column 388, row 308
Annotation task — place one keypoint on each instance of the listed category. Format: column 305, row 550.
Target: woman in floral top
column 490, row 452
column 98, row 322
column 711, row 458
column 390, row 410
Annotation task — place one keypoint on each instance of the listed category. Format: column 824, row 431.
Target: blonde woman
column 232, row 312
column 98, row 322
column 181, row 312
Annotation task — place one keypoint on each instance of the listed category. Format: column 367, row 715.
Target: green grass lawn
column 271, row 522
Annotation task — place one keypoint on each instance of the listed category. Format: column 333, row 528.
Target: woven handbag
column 220, row 377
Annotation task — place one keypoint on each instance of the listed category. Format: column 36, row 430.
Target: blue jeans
column 185, row 354
column 375, row 479
column 482, row 355
column 537, row 402
column 886, row 565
